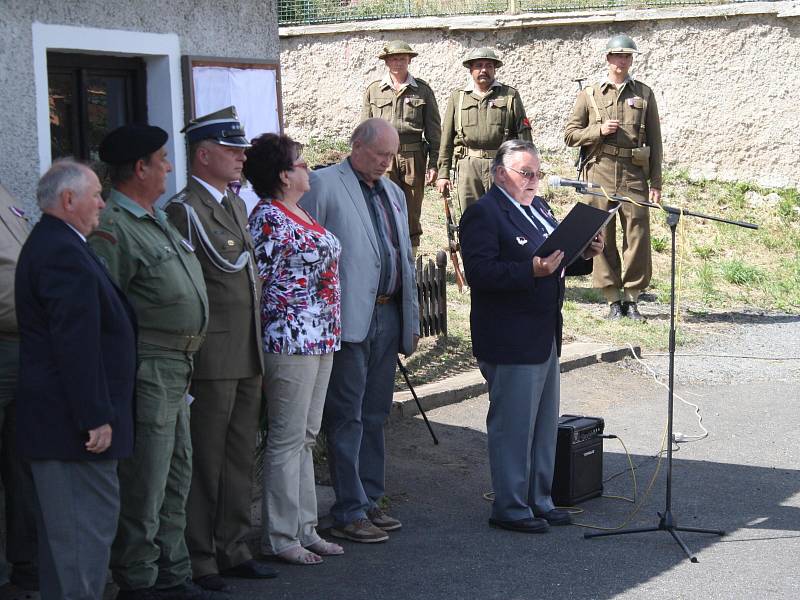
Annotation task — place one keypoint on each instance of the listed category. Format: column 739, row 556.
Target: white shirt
column 215, row 193
column 537, row 215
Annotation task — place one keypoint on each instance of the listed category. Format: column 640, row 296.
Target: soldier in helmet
column 479, row 117
column 618, row 120
column 409, row 104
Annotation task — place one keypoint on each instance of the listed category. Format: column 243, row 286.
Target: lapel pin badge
column 521, row 240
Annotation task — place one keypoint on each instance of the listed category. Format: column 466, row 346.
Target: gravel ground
column 742, row 347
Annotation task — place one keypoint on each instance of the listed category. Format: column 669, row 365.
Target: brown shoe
column 382, row 520
column 360, row 530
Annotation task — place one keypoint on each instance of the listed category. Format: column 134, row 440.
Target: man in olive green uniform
column 226, row 383
column 479, row 117
column 158, row 270
column 409, row 104
column 16, row 484
column 618, row 122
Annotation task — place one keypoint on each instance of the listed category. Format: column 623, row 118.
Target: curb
column 471, row 383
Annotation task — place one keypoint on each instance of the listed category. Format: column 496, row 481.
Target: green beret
column 131, row 142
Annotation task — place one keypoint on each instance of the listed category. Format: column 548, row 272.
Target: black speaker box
column 579, row 460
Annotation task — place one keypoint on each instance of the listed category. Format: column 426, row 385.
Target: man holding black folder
column 516, row 334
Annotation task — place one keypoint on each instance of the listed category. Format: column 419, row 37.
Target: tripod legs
column 665, row 523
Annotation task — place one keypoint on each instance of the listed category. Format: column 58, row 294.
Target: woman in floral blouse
column 298, row 262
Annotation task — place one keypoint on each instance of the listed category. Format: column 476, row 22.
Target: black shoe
column 630, row 310
column 251, row 569
column 523, row 525
column 212, row 582
column 556, row 517
column 187, row 591
column 614, row 311
column 140, row 594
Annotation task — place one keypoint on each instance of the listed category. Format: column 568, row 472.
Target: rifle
column 453, row 243
column 583, row 151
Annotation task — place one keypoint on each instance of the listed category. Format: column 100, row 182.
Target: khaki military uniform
column 611, row 165
column 412, row 109
column 226, row 383
column 473, row 128
column 163, row 280
column 18, row 547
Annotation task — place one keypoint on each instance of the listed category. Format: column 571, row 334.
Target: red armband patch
column 526, row 122
column 105, row 235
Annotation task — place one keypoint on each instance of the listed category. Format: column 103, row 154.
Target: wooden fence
column 432, row 295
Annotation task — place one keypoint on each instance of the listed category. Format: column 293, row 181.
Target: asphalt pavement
column 742, row 478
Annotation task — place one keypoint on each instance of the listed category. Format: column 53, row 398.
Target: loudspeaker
column 578, row 473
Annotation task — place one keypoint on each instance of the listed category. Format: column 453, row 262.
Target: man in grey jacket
column 380, row 317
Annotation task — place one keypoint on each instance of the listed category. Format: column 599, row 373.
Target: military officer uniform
column 163, row 280
column 413, row 110
column 614, row 164
column 473, row 128
column 226, row 383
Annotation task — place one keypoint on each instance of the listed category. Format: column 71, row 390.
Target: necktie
column 227, row 204
column 529, row 211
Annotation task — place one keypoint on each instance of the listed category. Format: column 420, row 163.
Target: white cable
column 684, row 438
column 748, row 357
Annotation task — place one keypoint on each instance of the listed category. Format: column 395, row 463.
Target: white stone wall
column 225, row 28
column 726, row 77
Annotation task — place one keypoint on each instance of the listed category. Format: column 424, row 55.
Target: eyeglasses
column 529, row 175
column 300, row 164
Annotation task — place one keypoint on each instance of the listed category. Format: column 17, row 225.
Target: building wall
column 225, row 28
column 725, row 77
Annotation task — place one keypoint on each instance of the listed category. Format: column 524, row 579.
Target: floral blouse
column 299, row 268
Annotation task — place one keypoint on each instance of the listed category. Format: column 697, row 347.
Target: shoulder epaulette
column 179, row 197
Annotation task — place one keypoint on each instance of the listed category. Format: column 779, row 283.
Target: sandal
column 324, row 548
column 297, row 555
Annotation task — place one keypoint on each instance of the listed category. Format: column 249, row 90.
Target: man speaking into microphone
column 515, row 323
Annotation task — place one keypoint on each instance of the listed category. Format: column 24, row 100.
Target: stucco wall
column 227, row 28
column 726, row 77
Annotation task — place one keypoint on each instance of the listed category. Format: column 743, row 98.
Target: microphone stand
column 667, row 521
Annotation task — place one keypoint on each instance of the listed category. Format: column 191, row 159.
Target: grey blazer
column 336, row 201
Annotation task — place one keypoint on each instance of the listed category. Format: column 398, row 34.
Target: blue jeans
column 356, row 408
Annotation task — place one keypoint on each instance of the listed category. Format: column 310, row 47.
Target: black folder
column 574, row 234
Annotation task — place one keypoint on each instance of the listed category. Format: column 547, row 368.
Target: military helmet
column 621, row 44
column 396, row 47
column 482, row 54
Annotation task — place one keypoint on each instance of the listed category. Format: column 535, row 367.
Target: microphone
column 556, row 181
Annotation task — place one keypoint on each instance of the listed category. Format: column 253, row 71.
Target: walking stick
column 404, row 371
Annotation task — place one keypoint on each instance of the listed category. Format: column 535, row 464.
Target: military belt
column 413, row 147
column 617, row 151
column 172, row 341
column 478, row 153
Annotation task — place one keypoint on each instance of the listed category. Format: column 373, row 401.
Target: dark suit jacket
column 77, row 350
column 232, row 348
column 515, row 316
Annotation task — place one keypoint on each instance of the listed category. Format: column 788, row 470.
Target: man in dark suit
column 516, row 323
column 76, row 384
column 226, row 383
